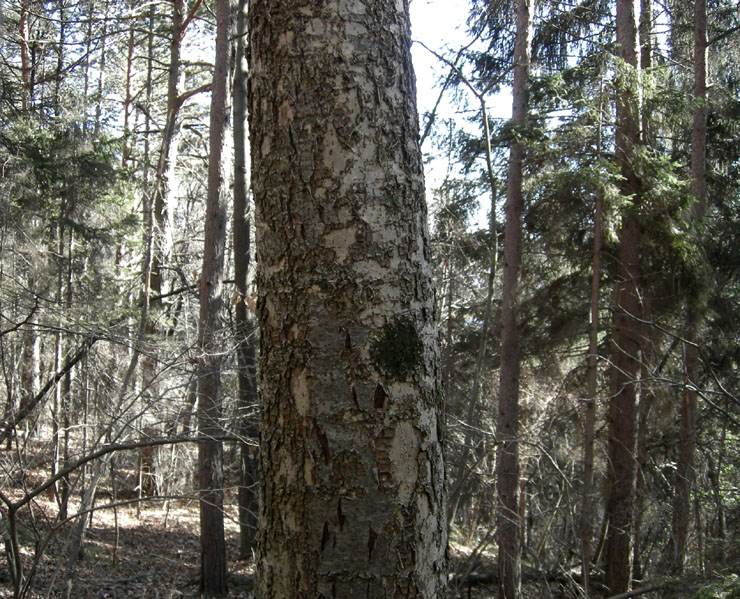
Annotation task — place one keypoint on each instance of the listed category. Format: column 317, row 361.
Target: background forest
column 104, row 150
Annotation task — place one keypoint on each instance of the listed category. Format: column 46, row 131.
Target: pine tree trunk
column 590, row 415
column 687, row 428
column 244, row 324
column 26, row 65
column 627, row 331
column 128, row 98
column 352, row 477
column 508, row 517
column 210, row 453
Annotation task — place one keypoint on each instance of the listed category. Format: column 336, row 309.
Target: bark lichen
column 399, row 349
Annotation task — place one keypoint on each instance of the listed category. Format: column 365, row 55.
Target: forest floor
column 150, row 549
column 154, row 552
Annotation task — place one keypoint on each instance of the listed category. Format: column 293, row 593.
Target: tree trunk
column 244, row 324
column 210, row 453
column 156, row 208
column 128, row 97
column 352, row 475
column 24, row 35
column 101, row 72
column 687, row 428
column 627, row 333
column 590, row 416
column 508, row 518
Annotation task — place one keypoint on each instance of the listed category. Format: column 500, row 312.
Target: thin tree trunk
column 77, row 537
column 101, row 71
column 210, row 454
column 128, row 98
column 156, row 209
column 61, row 44
column 592, row 377
column 687, row 428
column 508, row 519
column 24, row 31
column 627, row 335
column 645, row 400
column 643, row 411
column 244, row 324
column 590, row 415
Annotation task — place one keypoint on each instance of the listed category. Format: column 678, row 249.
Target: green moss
column 398, row 350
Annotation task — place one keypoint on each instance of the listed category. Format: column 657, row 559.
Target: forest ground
column 150, row 549
column 156, row 554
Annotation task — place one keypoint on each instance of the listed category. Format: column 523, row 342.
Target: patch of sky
column 439, row 30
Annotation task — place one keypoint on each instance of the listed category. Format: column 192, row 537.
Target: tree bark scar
column 325, row 536
column 323, row 441
column 381, row 398
column 340, row 516
column 372, row 540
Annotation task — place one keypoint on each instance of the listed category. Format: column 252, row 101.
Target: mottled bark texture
column 352, row 476
column 508, row 515
column 627, row 330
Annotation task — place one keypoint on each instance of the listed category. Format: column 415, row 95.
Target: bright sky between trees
column 441, row 26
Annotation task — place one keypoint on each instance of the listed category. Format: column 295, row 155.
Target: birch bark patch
column 285, row 113
column 300, row 391
column 404, row 465
column 340, row 241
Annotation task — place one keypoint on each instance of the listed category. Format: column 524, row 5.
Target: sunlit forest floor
column 150, row 549
column 155, row 554
column 152, row 554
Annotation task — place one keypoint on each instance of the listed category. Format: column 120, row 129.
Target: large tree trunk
column 352, row 477
column 687, row 429
column 244, row 323
column 210, row 453
column 627, row 332
column 508, row 516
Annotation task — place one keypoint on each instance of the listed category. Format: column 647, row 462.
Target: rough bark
column 627, row 333
column 210, row 454
column 687, row 427
column 351, row 489
column 508, row 515
column 244, row 324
